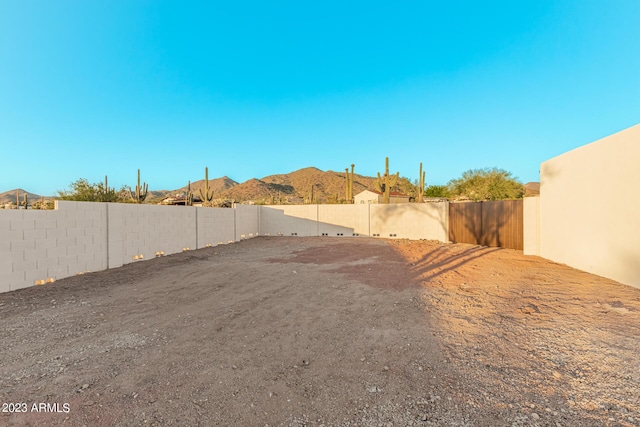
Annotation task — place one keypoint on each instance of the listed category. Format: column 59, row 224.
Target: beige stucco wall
column 590, row 207
column 531, row 225
column 365, row 197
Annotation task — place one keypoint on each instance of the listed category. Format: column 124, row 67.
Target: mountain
column 295, row 187
column 217, row 185
column 291, row 188
column 532, row 189
column 10, row 196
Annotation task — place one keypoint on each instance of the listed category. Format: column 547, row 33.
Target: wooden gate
column 496, row 223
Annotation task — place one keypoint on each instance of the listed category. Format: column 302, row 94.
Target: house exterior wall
column 365, row 197
column 589, row 207
column 368, row 197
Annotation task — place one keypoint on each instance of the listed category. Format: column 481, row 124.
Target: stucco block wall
column 247, row 221
column 531, row 225
column 346, row 220
column 79, row 237
column 40, row 245
column 287, row 220
column 136, row 230
column 589, row 207
column 411, row 221
column 215, row 226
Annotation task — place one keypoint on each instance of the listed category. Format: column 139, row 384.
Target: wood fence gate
column 496, row 223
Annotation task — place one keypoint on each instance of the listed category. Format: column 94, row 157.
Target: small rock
column 535, row 416
column 85, row 386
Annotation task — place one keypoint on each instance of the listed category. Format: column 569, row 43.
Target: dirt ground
column 279, row 331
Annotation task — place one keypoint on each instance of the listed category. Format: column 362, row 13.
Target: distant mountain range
column 293, row 187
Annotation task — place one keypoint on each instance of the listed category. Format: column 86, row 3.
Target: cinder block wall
column 215, row 226
column 589, row 207
column 138, row 232
column 80, row 237
column 44, row 245
column 247, row 221
column 407, row 220
column 411, row 221
column 345, row 220
column 299, row 220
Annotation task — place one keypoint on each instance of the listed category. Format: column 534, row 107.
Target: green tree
column 486, row 184
column 437, row 191
column 83, row 191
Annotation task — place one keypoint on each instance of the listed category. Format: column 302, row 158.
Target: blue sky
column 254, row 88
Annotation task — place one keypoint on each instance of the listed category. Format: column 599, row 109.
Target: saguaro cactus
column 107, row 194
column 349, row 184
column 312, row 195
column 206, row 196
column 189, row 199
column 346, row 185
column 421, row 185
column 141, row 191
column 385, row 182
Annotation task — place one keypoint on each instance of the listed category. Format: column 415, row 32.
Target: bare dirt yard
column 283, row 331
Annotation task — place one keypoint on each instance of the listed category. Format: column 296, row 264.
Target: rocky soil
column 279, row 331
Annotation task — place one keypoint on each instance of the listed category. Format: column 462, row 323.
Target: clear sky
column 254, row 88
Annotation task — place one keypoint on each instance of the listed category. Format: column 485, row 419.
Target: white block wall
column 301, row 220
column 80, row 237
column 215, row 226
column 40, row 245
column 345, row 220
column 411, row 221
column 143, row 230
column 247, row 221
column 406, row 220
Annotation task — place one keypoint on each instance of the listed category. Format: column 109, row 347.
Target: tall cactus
column 107, row 194
column 141, row 191
column 346, row 185
column 349, row 184
column 189, row 199
column 206, row 196
column 385, row 182
column 421, row 185
column 24, row 202
column 312, row 195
